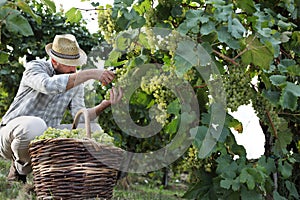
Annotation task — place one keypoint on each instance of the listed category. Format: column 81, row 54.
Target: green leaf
column 127, row 2
column 176, row 11
column 174, row 107
column 246, row 5
column 73, row 15
column 288, row 100
column 3, row 57
column 286, row 169
column 272, row 96
column 247, row 178
column 294, row 70
column 26, row 8
column 2, row 2
column 277, row 196
column 182, row 65
column 207, row 28
column 293, row 88
column 259, row 54
column 16, row 23
column 236, row 29
column 278, row 80
column 267, row 163
column 250, row 195
column 292, row 189
column 223, row 34
column 172, row 127
column 226, row 183
column 50, row 4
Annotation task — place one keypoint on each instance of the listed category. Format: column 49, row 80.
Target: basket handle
column 86, row 120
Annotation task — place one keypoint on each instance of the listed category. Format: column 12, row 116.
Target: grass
column 135, row 191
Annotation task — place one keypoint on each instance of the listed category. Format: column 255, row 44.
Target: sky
column 252, row 137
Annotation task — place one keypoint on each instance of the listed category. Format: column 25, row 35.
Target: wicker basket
column 66, row 168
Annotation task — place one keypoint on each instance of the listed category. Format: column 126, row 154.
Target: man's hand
column 106, row 77
column 115, row 95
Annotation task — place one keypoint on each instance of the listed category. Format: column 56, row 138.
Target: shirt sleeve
column 39, row 78
column 77, row 102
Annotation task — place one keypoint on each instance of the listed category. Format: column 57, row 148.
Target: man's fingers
column 107, row 77
column 116, row 95
column 120, row 94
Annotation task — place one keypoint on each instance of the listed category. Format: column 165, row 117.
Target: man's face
column 63, row 69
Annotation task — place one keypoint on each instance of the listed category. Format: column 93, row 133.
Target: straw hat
column 66, row 50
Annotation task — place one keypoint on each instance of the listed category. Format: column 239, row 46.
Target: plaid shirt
column 43, row 94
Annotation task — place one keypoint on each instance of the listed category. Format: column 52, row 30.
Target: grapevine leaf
column 292, row 189
column 126, row 2
column 234, row 123
column 73, row 15
column 288, row 100
column 235, row 27
column 26, row 8
column 284, row 136
column 207, row 28
column 2, row 2
column 286, row 169
column 267, row 163
column 182, row 65
column 247, row 178
column 236, row 185
column 186, row 49
column 223, row 34
column 246, row 5
column 140, row 98
column 226, row 183
column 122, row 43
column 259, row 54
column 174, row 107
column 171, row 128
column 16, row 23
column 176, row 11
column 294, row 70
column 272, row 96
column 278, row 80
column 277, row 196
column 293, row 88
column 250, row 194
column 50, row 5
column 3, row 57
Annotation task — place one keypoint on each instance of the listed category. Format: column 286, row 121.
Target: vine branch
column 272, row 124
column 225, row 57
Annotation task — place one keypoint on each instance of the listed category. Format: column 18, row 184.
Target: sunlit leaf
column 16, row 23
column 73, row 15
column 259, row 54
column 50, row 4
column 3, row 57
column 26, row 8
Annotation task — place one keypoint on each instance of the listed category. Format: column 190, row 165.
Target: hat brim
column 71, row 62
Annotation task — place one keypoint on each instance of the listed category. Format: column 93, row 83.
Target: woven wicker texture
column 66, row 168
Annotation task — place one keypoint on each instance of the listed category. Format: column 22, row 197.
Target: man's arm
column 115, row 97
column 77, row 78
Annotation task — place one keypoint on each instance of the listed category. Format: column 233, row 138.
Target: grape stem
column 200, row 86
column 226, row 58
column 272, row 125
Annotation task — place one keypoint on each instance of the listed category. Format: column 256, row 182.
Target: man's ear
column 53, row 61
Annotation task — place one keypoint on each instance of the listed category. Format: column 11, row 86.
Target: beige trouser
column 17, row 134
column 15, row 138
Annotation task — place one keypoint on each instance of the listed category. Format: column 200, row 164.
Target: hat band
column 65, row 56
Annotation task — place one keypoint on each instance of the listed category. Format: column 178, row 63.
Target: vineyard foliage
column 255, row 45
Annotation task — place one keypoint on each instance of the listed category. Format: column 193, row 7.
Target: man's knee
column 30, row 128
